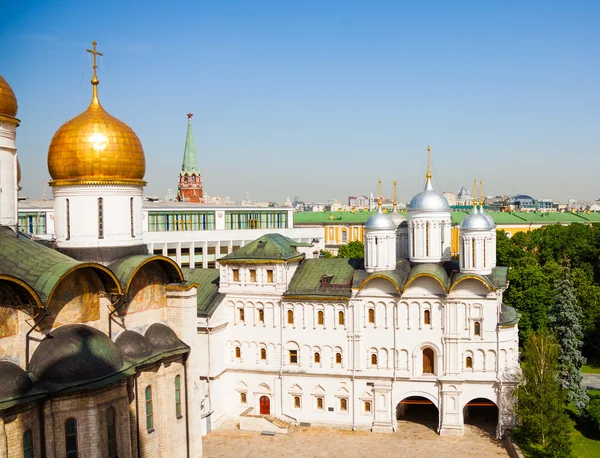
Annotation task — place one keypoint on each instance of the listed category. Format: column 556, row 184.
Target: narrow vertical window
column 261, row 316
column 338, row 358
column 68, row 215
column 344, row 405
column 428, row 363
column 296, row 402
column 367, row 407
column 485, row 253
column 71, row 438
column 290, row 317
column 241, row 314
column 149, row 415
column 238, row 352
column 131, row 217
column 317, row 357
column 100, row 218
column 269, row 276
column 473, row 252
column 28, row 444
column 371, row 316
column 320, row 403
column 111, row 424
column 477, row 328
column 373, row 359
column 412, row 231
column 178, row 396
column 293, row 356
column 236, row 275
column 427, row 238
column 243, row 398
column 263, row 354
column 426, row 317
column 469, row 363
column 320, row 317
column 341, row 318
column 252, row 276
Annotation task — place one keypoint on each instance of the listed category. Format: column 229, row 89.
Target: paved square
column 411, row 440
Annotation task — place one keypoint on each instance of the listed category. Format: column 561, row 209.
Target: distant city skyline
column 322, row 98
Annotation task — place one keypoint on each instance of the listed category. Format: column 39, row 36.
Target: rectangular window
column 344, row 236
column 338, row 358
column 261, row 316
column 296, row 402
column 181, row 221
column 320, row 318
column 320, row 403
column 28, row 444
column 293, row 356
column 149, row 415
column 252, row 276
column 178, row 396
column 269, row 276
column 71, row 438
column 100, row 218
column 343, row 405
column 241, row 314
column 264, row 219
column 367, row 407
column 243, row 398
column 290, row 317
column 371, row 316
column 131, row 219
column 32, row 223
column 236, row 275
column 341, row 318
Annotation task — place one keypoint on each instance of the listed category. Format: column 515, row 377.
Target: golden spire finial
column 379, row 193
column 395, row 203
column 428, row 176
column 95, row 80
column 481, row 193
column 474, row 193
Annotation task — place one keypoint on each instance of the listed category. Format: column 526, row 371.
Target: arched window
column 111, row 424
column 477, row 328
column 367, row 407
column 320, row 317
column 71, row 438
column 238, row 352
column 263, row 354
column 426, row 317
column 149, row 415
column 338, row 358
column 290, row 317
column 261, row 316
column 100, row 218
column 241, row 314
column 341, row 318
column 427, row 238
column 243, row 398
column 131, row 220
column 473, row 252
column 469, row 363
column 177, row 396
column 319, row 403
column 317, row 357
column 373, row 359
column 371, row 314
column 296, row 402
column 344, row 405
column 428, row 363
column 28, row 444
column 68, row 216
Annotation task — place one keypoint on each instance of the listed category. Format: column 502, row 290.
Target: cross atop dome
column 95, row 66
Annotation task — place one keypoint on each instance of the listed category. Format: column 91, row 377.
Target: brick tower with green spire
column 190, row 180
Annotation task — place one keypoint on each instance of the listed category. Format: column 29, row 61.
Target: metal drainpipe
column 137, row 417
column 187, row 407
column 353, row 361
column 209, row 359
column 498, row 311
column 394, row 316
column 281, row 310
column 35, row 325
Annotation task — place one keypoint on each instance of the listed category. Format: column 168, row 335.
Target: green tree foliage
column 543, row 429
column 353, row 249
column 564, row 318
column 325, row 254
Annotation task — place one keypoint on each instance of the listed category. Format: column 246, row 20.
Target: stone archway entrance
column 265, row 405
column 417, row 409
column 482, row 413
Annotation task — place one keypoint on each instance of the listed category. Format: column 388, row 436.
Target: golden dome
column 8, row 101
column 96, row 147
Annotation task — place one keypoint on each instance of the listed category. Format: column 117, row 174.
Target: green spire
column 190, row 164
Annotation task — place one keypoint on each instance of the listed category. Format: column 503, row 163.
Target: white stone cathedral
column 333, row 342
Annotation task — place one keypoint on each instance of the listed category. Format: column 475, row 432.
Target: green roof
column 125, row 268
column 190, row 163
column 430, row 270
column 458, row 276
column 508, row 315
column 269, row 247
column 397, row 277
column 303, row 218
column 39, row 266
column 307, row 279
column 208, row 288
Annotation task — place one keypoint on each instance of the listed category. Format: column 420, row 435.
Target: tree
column 325, row 254
column 543, row 421
column 564, row 318
column 353, row 249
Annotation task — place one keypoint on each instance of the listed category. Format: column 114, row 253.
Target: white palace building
column 335, row 342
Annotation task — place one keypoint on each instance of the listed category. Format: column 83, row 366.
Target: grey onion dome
column 133, row 345
column 75, row 353
column 490, row 220
column 14, row 381
column 163, row 337
column 475, row 222
column 380, row 221
column 429, row 200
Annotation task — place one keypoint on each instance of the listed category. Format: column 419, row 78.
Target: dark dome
column 133, row 345
column 14, row 381
column 163, row 337
column 75, row 353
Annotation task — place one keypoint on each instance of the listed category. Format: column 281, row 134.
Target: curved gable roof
column 125, row 269
column 435, row 271
column 268, row 248
column 459, row 277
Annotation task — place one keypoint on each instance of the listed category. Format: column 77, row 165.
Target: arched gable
column 474, row 283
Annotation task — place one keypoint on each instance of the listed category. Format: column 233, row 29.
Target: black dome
column 75, row 353
column 133, row 345
column 163, row 337
column 14, row 381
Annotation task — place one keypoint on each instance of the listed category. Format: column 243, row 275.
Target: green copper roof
column 429, row 270
column 307, row 280
column 125, row 268
column 508, row 315
column 190, row 163
column 458, row 276
column 269, row 247
column 208, row 288
column 42, row 267
column 398, row 276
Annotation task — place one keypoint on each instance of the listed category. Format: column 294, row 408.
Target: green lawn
column 585, row 443
column 592, row 367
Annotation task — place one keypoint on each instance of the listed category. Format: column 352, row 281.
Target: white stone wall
column 8, row 174
column 477, row 251
column 429, row 236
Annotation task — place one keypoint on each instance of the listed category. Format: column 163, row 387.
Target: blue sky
column 322, row 98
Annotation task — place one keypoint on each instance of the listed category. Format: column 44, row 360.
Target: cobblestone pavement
column 411, row 440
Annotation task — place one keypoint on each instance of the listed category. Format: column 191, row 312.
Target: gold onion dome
column 96, row 147
column 8, row 100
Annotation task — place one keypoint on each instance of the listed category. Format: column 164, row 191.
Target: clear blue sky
column 321, row 98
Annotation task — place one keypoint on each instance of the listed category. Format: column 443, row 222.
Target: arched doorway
column 417, row 409
column 265, row 405
column 482, row 413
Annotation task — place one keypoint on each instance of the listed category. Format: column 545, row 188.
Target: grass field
column 586, row 443
column 592, row 367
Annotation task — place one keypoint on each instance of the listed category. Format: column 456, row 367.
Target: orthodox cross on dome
column 428, row 176
column 95, row 66
column 474, row 194
column 379, row 193
column 395, row 203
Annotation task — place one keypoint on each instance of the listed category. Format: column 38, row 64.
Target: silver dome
column 487, row 216
column 429, row 200
column 476, row 222
column 380, row 221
